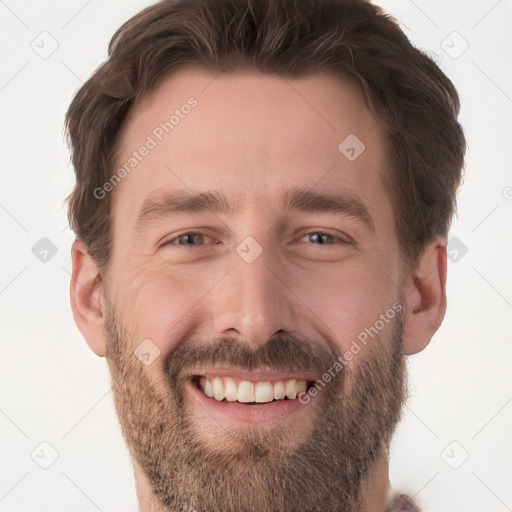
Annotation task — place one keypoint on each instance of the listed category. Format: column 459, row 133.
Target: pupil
column 319, row 237
column 190, row 238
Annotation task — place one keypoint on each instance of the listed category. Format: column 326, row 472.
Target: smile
column 233, row 389
column 236, row 396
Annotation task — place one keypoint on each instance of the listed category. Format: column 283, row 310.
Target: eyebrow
column 162, row 205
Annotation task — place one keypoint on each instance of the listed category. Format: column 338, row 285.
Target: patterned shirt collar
column 400, row 502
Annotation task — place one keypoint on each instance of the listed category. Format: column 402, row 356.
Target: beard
column 258, row 467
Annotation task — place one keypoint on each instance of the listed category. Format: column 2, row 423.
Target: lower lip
column 249, row 413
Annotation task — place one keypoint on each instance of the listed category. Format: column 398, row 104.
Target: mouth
column 235, row 396
column 262, row 391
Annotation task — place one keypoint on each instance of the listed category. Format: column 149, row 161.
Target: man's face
column 242, row 302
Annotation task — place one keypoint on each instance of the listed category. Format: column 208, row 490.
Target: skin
column 251, row 136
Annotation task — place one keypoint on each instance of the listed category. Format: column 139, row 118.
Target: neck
column 147, row 500
column 376, row 491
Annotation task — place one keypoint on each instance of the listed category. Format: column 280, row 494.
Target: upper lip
column 254, row 375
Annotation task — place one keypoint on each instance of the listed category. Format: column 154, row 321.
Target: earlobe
column 86, row 290
column 425, row 297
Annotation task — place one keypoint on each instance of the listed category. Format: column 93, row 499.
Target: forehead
column 251, row 134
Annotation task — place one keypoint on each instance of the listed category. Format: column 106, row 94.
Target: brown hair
column 417, row 105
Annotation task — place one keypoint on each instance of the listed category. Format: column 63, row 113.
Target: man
column 264, row 190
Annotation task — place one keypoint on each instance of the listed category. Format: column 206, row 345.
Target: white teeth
column 279, row 390
column 291, row 389
column 231, row 390
column 246, row 391
column 264, row 392
column 208, row 388
column 218, row 389
column 301, row 386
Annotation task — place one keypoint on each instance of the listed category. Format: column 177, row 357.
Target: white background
column 55, row 390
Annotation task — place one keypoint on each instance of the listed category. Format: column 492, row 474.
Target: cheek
column 166, row 303
column 155, row 300
column 352, row 301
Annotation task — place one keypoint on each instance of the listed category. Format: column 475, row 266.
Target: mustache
column 281, row 352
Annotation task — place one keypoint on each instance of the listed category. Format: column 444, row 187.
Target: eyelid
column 189, row 232
column 339, row 237
column 342, row 237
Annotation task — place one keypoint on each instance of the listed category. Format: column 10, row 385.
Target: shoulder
column 403, row 503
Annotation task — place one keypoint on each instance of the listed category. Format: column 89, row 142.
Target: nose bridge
column 253, row 300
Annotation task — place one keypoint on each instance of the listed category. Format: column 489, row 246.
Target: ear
column 86, row 295
column 425, row 297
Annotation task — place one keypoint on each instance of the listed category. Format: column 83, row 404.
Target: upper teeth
column 246, row 391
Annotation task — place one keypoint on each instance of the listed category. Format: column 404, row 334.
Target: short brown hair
column 417, row 105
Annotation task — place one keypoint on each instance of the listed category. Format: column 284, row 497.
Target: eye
column 188, row 239
column 320, row 236
column 189, row 236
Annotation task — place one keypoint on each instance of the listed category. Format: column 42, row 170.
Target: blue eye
column 320, row 237
column 191, row 235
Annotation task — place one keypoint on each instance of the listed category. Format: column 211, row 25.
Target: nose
column 255, row 301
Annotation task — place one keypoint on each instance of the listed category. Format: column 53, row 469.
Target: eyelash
column 170, row 242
